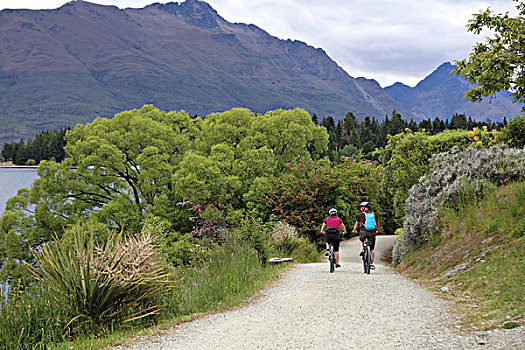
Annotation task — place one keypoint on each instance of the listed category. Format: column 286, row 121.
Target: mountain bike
column 367, row 256
column 331, row 258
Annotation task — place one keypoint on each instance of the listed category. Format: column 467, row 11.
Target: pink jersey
column 333, row 222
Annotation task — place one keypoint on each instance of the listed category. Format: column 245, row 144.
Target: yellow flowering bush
column 398, row 233
column 483, row 138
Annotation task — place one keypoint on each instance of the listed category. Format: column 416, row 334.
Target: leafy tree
column 303, row 195
column 237, row 149
column 514, row 133
column 499, row 63
column 123, row 169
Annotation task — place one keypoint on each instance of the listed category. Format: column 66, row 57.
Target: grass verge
column 479, row 256
column 230, row 276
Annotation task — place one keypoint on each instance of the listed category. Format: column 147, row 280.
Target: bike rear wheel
column 332, row 259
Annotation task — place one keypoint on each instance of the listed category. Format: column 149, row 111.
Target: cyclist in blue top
column 371, row 233
column 332, row 235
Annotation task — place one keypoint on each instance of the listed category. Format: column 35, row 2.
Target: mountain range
column 83, row 60
column 442, row 94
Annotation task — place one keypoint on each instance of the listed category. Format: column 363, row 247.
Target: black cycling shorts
column 333, row 238
column 371, row 237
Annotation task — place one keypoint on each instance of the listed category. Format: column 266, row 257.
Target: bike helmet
column 364, row 204
column 332, row 211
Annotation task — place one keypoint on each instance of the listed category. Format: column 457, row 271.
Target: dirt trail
column 311, row 308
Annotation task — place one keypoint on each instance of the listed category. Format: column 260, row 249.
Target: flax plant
column 105, row 286
column 287, row 242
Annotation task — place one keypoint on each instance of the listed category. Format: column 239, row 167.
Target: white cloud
column 387, row 40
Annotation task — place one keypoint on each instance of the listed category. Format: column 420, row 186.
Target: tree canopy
column 499, row 63
column 146, row 164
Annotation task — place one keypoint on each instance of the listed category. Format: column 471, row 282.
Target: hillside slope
column 478, row 260
column 60, row 67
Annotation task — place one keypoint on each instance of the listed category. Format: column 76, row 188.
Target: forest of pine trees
column 350, row 137
column 45, row 146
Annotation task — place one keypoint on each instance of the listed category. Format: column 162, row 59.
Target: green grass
column 230, row 275
column 480, row 256
column 31, row 320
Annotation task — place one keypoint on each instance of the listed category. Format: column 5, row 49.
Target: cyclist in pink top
column 332, row 235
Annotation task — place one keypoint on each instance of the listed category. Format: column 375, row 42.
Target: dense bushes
column 454, row 174
column 514, row 133
column 303, row 195
column 404, row 160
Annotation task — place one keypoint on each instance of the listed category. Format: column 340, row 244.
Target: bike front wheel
column 368, row 260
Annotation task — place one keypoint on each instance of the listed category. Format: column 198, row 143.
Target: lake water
column 11, row 180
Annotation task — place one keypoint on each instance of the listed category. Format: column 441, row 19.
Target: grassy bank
column 230, row 274
column 479, row 256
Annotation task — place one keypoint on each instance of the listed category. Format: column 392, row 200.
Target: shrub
column 103, row 285
column 484, row 138
column 454, row 176
column 286, row 242
column 406, row 158
column 514, row 133
column 254, row 234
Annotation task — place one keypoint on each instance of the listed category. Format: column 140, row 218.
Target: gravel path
column 313, row 309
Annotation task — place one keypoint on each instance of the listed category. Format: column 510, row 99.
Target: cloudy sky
column 386, row 40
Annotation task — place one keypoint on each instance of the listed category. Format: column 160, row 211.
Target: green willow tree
column 237, row 150
column 118, row 173
column 142, row 165
column 499, row 63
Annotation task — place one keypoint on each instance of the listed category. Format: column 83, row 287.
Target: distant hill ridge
column 441, row 94
column 69, row 65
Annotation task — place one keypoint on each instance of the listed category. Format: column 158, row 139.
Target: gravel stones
column 311, row 308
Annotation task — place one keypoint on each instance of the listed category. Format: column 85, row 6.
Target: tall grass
column 63, row 310
column 83, row 290
column 31, row 319
column 231, row 273
column 103, row 286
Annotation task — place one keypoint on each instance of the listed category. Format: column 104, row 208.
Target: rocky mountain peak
column 442, row 73
column 194, row 12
